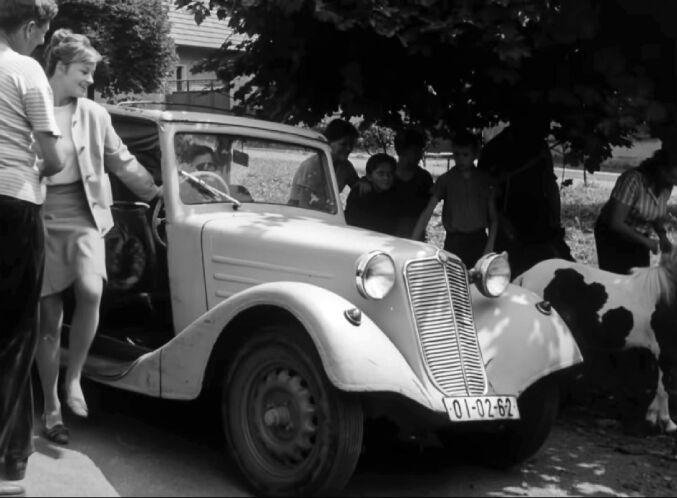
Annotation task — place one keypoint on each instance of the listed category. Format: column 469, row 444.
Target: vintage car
column 305, row 326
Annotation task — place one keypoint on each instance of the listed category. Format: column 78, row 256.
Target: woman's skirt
column 74, row 248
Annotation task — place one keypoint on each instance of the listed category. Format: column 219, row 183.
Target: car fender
column 520, row 343
column 356, row 358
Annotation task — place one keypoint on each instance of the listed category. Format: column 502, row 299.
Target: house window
column 179, row 78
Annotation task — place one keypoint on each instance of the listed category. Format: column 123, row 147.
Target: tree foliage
column 597, row 69
column 133, row 37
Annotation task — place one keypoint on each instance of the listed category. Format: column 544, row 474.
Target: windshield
column 219, row 168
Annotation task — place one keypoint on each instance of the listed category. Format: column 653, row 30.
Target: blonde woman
column 77, row 216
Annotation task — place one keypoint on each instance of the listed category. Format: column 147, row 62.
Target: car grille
column 440, row 300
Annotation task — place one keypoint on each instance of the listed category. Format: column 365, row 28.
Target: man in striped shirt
column 27, row 124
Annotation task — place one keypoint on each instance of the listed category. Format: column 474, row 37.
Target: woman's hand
column 664, row 243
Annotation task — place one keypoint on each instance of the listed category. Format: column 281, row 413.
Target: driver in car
column 203, row 159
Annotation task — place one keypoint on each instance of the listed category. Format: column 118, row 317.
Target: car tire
column 516, row 441
column 290, row 431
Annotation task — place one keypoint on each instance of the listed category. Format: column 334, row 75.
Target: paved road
column 135, row 446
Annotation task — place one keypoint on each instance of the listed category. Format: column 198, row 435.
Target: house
column 194, row 43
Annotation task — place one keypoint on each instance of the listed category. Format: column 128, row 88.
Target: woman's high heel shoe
column 58, row 433
column 78, row 406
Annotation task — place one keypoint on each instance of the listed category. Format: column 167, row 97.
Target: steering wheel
column 210, row 177
column 157, row 220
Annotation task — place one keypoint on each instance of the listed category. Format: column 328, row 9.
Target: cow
column 611, row 312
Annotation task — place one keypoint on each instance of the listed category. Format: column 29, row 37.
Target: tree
column 595, row 68
column 133, row 37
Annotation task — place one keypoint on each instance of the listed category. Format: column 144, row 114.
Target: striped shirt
column 26, row 105
column 632, row 189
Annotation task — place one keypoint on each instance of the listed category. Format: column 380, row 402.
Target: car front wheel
column 289, row 430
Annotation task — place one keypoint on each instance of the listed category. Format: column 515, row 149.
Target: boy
column 26, row 115
column 469, row 207
column 412, row 183
column 377, row 209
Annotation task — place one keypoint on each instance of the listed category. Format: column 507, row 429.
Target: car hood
column 301, row 243
column 245, row 249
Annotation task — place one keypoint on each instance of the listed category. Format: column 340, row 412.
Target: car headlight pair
column 375, row 275
column 492, row 274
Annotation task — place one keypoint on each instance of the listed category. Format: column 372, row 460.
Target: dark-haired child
column 413, row 184
column 377, row 209
column 469, row 208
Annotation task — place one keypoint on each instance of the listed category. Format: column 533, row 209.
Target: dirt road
column 145, row 447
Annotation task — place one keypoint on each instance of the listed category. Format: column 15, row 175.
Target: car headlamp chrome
column 375, row 275
column 492, row 274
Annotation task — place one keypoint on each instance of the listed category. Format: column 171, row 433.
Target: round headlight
column 495, row 275
column 375, row 275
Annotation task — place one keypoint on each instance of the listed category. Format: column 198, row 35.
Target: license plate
column 476, row 408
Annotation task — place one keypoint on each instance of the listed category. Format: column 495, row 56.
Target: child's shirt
column 466, row 199
column 413, row 196
column 378, row 211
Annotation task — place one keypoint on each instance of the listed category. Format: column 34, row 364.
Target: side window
column 253, row 170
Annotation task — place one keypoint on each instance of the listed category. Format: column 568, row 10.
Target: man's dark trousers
column 22, row 256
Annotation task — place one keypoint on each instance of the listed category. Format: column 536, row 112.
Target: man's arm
column 424, row 219
column 493, row 224
column 53, row 160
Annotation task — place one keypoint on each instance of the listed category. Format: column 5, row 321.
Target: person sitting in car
column 203, row 159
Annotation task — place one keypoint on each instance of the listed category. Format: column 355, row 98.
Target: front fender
column 519, row 343
column 355, row 358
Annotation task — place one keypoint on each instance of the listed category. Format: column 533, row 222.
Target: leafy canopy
column 595, row 68
column 133, row 37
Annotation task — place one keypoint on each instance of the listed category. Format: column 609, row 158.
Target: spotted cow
column 610, row 312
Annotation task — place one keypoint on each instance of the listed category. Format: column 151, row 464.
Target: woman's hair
column 339, row 129
column 196, row 150
column 69, row 48
column 651, row 168
column 16, row 13
column 377, row 159
column 410, row 137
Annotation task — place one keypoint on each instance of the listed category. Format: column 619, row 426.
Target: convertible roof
column 158, row 116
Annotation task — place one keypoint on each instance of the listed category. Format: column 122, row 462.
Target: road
column 137, row 446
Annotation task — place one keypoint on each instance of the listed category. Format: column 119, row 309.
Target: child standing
column 412, row 183
column 376, row 209
column 469, row 208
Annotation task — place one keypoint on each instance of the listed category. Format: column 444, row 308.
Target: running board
column 103, row 369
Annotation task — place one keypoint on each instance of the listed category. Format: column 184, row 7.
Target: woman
column 637, row 207
column 77, row 215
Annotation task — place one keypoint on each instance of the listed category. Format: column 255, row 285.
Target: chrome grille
column 440, row 301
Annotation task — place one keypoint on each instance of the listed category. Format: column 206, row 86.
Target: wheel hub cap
column 287, row 417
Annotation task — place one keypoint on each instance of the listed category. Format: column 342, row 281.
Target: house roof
column 211, row 34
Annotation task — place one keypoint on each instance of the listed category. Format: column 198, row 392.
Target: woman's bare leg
column 47, row 358
column 88, row 292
